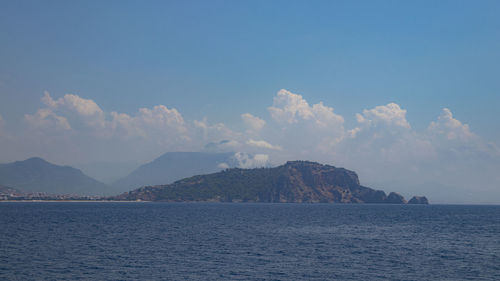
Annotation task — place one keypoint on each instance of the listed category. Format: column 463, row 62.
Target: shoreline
column 75, row 201
column 306, row 203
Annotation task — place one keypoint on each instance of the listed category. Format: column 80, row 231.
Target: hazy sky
column 406, row 93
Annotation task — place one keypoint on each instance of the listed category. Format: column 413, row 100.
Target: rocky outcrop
column 395, row 198
column 418, row 200
column 295, row 181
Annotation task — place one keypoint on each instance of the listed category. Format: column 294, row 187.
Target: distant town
column 40, row 196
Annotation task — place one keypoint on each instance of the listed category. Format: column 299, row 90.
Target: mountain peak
column 38, row 175
column 35, row 160
column 173, row 166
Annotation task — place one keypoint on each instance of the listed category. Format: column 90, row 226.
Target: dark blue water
column 176, row 241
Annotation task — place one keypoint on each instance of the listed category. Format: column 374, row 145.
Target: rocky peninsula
column 293, row 182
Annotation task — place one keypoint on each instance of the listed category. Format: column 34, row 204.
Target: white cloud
column 302, row 129
column 381, row 126
column 263, row 144
column 288, row 106
column 450, row 127
column 451, row 136
column 292, row 108
column 96, row 134
column 251, row 161
column 75, row 103
column 383, row 133
column 46, row 119
column 214, row 132
column 158, row 121
column 160, row 116
column 161, row 124
column 389, row 115
column 381, row 146
column 253, row 123
column 86, row 110
column 385, row 148
column 324, row 116
column 48, row 100
column 223, row 165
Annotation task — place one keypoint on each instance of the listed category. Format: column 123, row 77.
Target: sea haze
column 230, row 241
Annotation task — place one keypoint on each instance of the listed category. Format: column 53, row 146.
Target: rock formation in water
column 295, row 181
column 395, row 198
column 418, row 200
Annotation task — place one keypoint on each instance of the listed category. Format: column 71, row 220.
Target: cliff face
column 296, row 181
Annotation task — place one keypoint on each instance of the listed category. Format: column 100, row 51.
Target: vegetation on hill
column 296, row 181
column 173, row 166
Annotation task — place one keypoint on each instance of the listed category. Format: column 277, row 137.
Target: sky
column 406, row 93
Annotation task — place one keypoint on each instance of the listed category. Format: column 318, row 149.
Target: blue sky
column 220, row 59
column 236, row 54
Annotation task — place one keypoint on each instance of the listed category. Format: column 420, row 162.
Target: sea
column 247, row 241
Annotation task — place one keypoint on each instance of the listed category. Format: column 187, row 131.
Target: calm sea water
column 221, row 241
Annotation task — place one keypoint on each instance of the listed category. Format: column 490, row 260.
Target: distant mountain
column 38, row 175
column 173, row 166
column 107, row 172
column 296, row 181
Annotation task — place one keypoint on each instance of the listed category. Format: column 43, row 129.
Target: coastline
column 75, row 201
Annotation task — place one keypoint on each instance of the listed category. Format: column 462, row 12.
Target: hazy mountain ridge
column 295, row 181
column 37, row 175
column 173, row 166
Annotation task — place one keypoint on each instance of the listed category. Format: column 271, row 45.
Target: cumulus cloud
column 292, row 108
column 382, row 145
column 263, row 144
column 253, row 123
column 159, row 121
column 223, row 165
column 148, row 132
column 450, row 127
column 165, row 125
column 251, row 161
column 385, row 123
column 86, row 110
column 303, row 129
column 214, row 132
column 46, row 119
column 288, row 107
column 383, row 133
column 451, row 136
column 324, row 116
column 388, row 115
